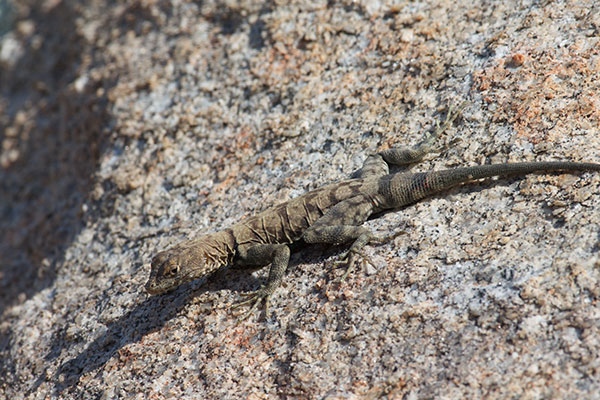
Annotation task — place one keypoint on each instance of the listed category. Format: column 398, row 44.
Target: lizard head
column 165, row 273
column 172, row 268
column 189, row 260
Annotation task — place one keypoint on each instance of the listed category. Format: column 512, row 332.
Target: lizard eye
column 172, row 270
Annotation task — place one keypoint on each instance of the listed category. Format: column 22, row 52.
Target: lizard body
column 333, row 214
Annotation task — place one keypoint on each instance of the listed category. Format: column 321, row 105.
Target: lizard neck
column 217, row 249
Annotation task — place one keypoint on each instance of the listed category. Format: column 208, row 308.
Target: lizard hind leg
column 342, row 224
column 378, row 164
column 339, row 234
column 350, row 257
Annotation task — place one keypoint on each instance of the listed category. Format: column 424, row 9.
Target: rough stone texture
column 127, row 126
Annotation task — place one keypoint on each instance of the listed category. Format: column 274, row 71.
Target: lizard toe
column 349, row 259
column 254, row 299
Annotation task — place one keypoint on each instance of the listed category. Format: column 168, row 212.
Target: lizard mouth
column 152, row 288
column 159, row 286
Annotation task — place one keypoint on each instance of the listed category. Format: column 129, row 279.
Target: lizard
column 333, row 214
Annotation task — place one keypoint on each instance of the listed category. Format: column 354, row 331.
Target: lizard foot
column 383, row 240
column 254, row 298
column 350, row 257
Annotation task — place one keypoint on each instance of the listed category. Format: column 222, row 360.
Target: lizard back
column 286, row 222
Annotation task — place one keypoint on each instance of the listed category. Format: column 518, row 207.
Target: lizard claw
column 350, row 256
column 388, row 238
column 254, row 298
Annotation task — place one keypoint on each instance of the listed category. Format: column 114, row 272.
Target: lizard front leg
column 278, row 255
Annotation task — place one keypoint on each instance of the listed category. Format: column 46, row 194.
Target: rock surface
column 128, row 126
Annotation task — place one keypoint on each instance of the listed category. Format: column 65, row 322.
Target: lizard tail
column 404, row 189
column 440, row 180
